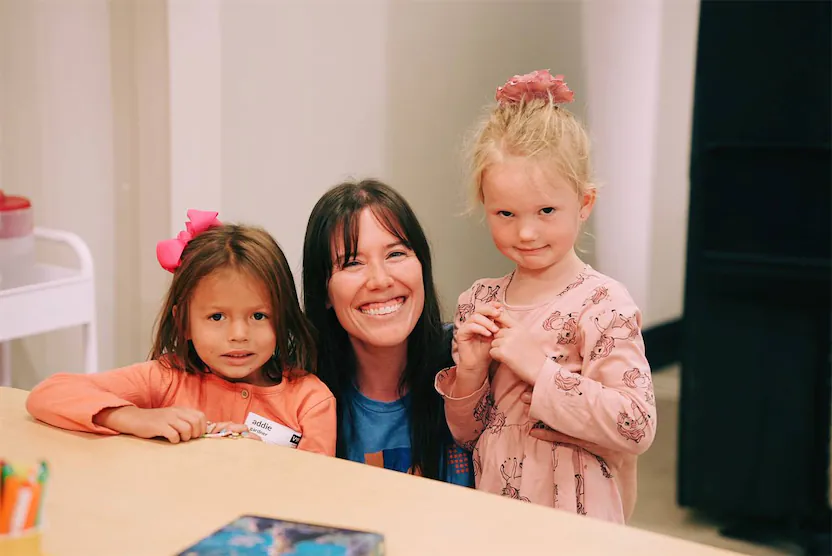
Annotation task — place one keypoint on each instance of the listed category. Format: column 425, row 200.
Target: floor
column 657, row 510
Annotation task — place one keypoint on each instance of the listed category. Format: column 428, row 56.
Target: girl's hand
column 514, row 347
column 174, row 423
column 227, row 428
column 473, row 342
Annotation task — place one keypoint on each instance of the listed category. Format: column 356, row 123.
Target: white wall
column 671, row 178
column 621, row 43
column 304, row 94
column 141, row 97
column 58, row 150
column 195, row 101
column 390, row 89
column 83, row 110
column 640, row 59
column 255, row 107
column 439, row 87
column 372, row 96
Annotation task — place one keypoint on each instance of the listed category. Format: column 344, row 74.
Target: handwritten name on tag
column 273, row 432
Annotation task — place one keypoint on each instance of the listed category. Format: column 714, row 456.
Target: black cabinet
column 755, row 400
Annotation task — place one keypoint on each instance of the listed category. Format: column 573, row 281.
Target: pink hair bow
column 169, row 251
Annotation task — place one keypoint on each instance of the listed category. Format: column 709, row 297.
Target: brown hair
column 251, row 250
column 534, row 128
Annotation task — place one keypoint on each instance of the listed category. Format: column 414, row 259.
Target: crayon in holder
column 22, row 490
column 26, row 543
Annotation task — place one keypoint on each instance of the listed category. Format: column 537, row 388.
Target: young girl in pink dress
column 554, row 331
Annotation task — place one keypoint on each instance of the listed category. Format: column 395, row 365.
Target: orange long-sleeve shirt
column 304, row 403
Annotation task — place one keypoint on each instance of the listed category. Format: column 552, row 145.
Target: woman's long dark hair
column 338, row 212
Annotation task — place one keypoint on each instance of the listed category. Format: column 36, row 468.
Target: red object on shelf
column 16, row 216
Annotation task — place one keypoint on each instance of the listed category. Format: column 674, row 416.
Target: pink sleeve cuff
column 543, row 393
column 445, row 382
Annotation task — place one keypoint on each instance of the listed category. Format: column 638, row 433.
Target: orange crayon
column 11, row 487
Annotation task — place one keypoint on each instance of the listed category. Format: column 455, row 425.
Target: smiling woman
column 369, row 292
column 377, row 290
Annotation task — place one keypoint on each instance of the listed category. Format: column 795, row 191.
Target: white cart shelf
column 58, row 297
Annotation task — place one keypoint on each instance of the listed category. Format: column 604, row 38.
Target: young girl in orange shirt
column 233, row 353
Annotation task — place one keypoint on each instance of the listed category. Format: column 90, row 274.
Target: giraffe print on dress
column 554, row 473
column 616, row 327
column 567, row 325
column 476, row 460
column 514, row 471
column 578, row 281
column 568, row 382
column 490, row 294
column 632, row 428
column 486, row 412
column 560, row 358
column 598, row 294
column 578, row 465
column 634, row 378
column 605, row 470
column 465, row 310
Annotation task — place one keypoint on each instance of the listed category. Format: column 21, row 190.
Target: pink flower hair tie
column 537, row 84
column 169, row 251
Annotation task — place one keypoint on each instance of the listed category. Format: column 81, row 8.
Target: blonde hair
column 536, row 128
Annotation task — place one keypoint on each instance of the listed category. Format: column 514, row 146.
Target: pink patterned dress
column 595, row 387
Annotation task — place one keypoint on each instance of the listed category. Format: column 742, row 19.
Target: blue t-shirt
column 378, row 433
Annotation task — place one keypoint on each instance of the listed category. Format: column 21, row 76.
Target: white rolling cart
column 53, row 297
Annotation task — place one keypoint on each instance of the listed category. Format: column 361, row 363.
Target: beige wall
column 83, row 109
column 303, row 107
column 445, row 62
column 383, row 89
column 254, row 107
column 58, row 150
column 640, row 60
column 668, row 246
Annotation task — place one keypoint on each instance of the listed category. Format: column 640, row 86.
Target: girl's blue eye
column 349, row 264
column 260, row 316
column 216, row 317
column 398, row 254
column 548, row 210
column 504, row 213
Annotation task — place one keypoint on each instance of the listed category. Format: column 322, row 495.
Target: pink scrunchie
column 169, row 251
column 537, row 84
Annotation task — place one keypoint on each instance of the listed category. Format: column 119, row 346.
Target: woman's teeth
column 376, row 309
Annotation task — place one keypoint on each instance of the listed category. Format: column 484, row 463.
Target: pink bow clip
column 169, row 251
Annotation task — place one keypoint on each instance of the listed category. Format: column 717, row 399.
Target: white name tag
column 271, row 432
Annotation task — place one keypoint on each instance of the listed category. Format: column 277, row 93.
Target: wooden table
column 123, row 495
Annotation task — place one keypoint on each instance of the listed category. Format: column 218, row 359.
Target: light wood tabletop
column 127, row 496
